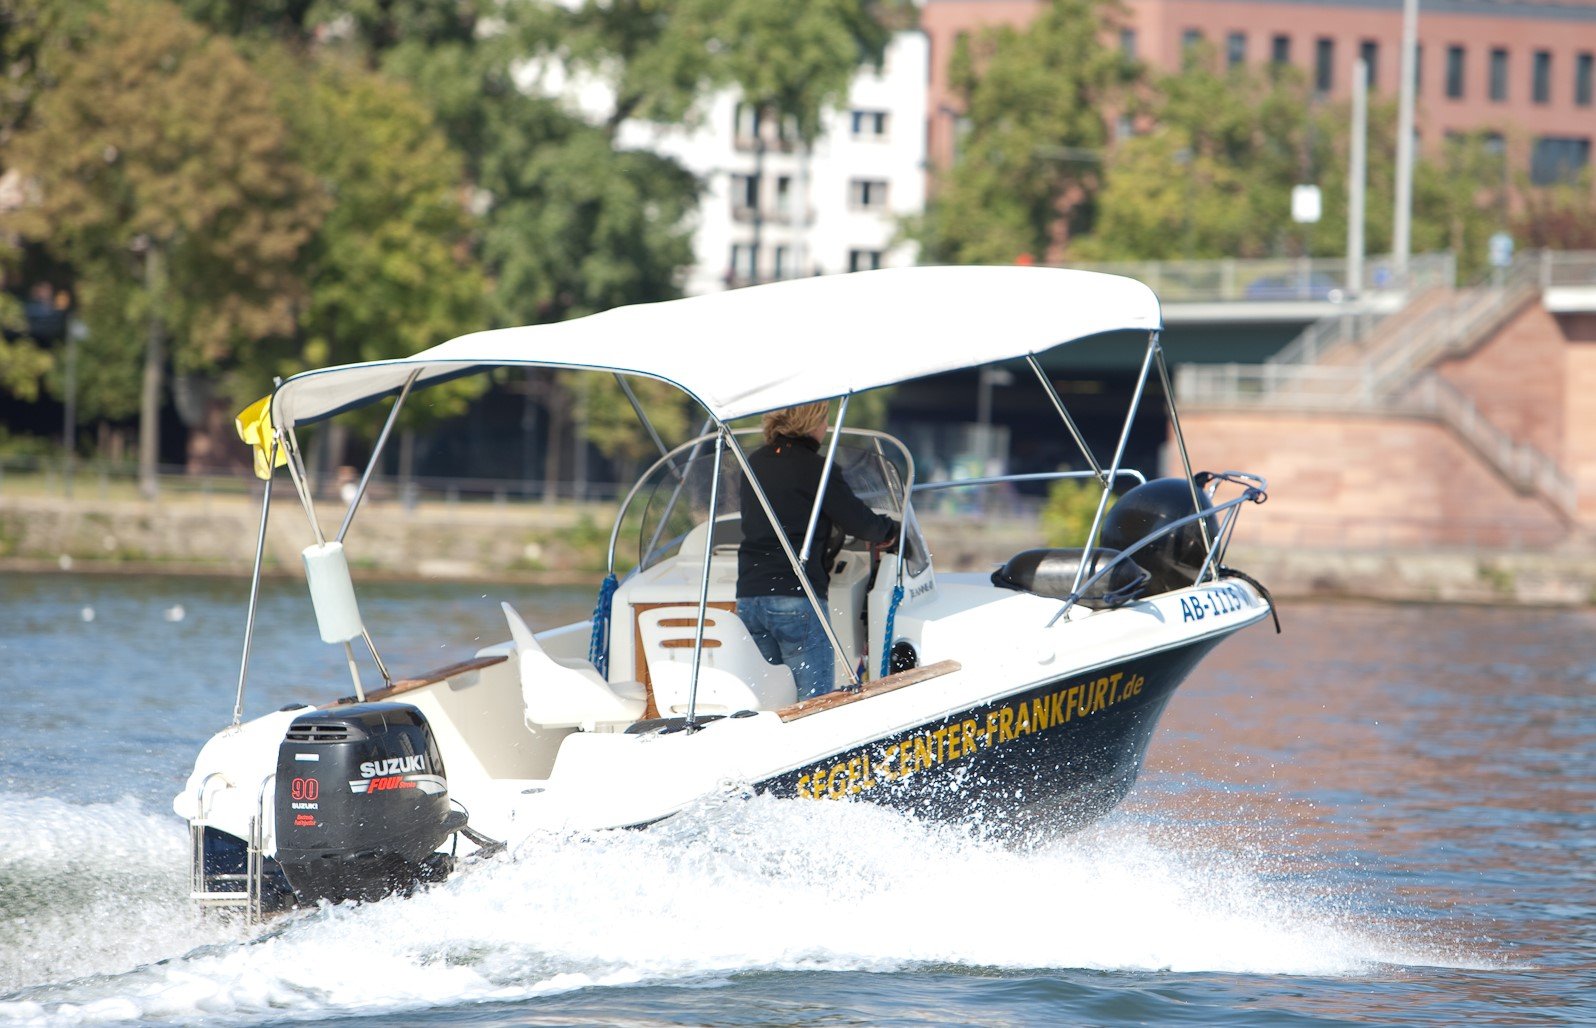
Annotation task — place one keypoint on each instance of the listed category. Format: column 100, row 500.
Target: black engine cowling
column 1173, row 559
column 1052, row 573
column 362, row 802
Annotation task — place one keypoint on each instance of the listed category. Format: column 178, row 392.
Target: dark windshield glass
column 675, row 497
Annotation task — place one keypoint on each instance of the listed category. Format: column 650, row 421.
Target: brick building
column 1522, row 70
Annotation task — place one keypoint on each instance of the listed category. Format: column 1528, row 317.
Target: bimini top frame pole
column 703, row 583
column 1113, row 469
column 254, row 582
column 1185, row 459
column 376, row 454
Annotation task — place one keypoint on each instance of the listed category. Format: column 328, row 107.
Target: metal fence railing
column 1323, row 279
column 1568, row 268
column 52, row 477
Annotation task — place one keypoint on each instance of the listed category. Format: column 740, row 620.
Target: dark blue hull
column 1060, row 754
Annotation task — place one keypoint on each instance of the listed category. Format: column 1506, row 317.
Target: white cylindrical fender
column 332, row 592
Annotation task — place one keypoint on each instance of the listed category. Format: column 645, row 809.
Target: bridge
column 1488, row 380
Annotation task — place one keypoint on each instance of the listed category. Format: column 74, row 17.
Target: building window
column 1558, row 159
column 867, row 194
column 1190, row 41
column 1418, row 69
column 744, row 262
column 1582, row 77
column 1280, row 50
column 744, row 194
column 869, row 125
column 1235, row 49
column 1454, row 72
column 1541, row 77
column 1369, row 51
column 1127, row 44
column 746, row 124
column 782, row 263
column 784, row 196
column 1324, row 64
column 864, row 260
column 1498, row 91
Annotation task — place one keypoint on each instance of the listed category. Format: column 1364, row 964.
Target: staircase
column 1386, row 364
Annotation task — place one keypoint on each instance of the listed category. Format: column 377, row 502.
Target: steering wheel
column 834, row 544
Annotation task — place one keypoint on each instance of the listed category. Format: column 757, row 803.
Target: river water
column 1386, row 814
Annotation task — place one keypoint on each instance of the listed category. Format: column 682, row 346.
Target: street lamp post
column 1401, row 229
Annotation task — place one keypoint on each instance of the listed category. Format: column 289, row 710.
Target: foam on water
column 100, row 929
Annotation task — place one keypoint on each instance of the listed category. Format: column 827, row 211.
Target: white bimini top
column 746, row 351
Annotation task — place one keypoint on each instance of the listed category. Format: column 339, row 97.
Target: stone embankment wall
column 567, row 543
column 218, row 535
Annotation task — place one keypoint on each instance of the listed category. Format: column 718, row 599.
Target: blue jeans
column 787, row 632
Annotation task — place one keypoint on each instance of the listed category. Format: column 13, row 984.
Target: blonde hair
column 798, row 421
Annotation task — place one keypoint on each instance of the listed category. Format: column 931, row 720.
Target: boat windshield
column 673, row 498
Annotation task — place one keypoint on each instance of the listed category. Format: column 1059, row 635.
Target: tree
column 370, row 26
column 23, row 363
column 1212, row 177
column 390, row 270
column 1037, row 102
column 1558, row 217
column 165, row 178
column 660, row 59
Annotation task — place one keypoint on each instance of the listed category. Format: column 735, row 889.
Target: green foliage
column 661, row 57
column 159, row 140
column 23, row 365
column 611, row 424
column 1460, row 198
column 1037, row 102
column 1560, row 217
column 1071, row 505
column 1210, row 174
column 1213, row 177
column 29, row 30
column 366, row 26
column 389, row 271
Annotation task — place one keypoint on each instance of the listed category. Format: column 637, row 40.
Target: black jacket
column 789, row 472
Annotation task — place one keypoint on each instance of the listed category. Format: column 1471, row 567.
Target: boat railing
column 1039, row 476
column 1251, row 493
column 674, row 461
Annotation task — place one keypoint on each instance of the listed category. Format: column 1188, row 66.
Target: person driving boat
column 770, row 599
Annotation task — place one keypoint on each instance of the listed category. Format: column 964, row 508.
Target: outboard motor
column 1173, row 560
column 362, row 803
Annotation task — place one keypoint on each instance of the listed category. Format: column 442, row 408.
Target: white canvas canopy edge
column 747, row 351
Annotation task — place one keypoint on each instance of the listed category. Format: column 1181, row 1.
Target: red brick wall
column 1579, row 390
column 1516, row 379
column 1369, row 482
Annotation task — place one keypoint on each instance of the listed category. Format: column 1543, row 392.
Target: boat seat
column 733, row 674
column 1052, row 573
column 569, row 693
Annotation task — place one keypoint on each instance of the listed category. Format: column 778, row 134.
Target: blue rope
column 598, row 652
column 892, row 615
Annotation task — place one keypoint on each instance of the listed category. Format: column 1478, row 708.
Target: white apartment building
column 773, row 209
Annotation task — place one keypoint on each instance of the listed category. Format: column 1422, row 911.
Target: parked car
column 1316, row 285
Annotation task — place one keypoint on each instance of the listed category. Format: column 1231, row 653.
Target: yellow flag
column 255, row 428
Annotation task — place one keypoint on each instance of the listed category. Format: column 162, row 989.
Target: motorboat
column 1018, row 697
